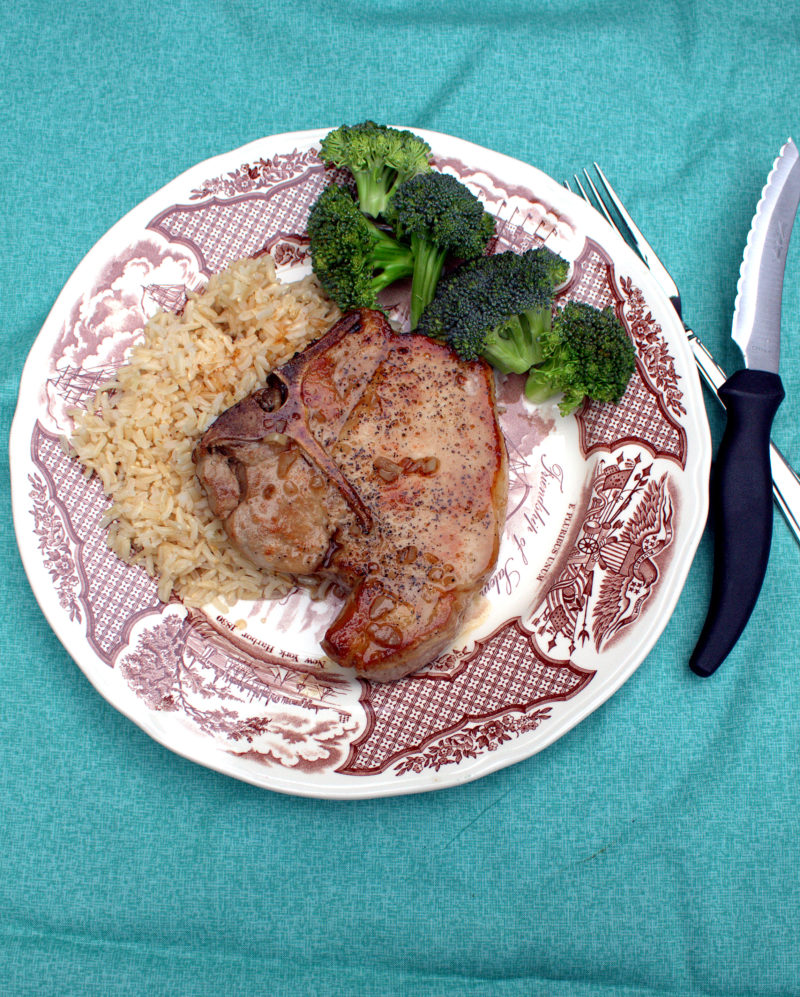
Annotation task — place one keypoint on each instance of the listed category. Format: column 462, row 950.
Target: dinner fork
column 603, row 197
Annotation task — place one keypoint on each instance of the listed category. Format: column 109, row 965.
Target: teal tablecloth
column 655, row 849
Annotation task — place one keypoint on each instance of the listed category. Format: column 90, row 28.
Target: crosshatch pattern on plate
column 496, row 692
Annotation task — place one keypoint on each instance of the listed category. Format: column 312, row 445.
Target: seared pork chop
column 375, row 458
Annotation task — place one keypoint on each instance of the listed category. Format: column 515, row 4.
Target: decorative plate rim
column 193, row 745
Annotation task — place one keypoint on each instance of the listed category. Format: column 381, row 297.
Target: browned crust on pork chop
column 375, row 458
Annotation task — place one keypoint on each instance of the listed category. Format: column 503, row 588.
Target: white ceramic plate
column 606, row 510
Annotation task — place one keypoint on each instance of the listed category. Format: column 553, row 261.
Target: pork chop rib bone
column 375, row 459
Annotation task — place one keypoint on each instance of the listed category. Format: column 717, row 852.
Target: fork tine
column 579, row 185
column 785, row 483
column 598, row 199
column 620, row 207
column 598, row 203
column 637, row 240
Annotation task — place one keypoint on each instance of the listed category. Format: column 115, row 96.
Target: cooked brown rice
column 138, row 432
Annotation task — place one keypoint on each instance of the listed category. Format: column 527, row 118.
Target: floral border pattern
column 472, row 740
column 55, row 548
column 260, row 175
column 238, row 702
column 652, row 349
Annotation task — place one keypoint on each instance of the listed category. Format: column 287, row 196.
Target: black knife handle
column 741, row 504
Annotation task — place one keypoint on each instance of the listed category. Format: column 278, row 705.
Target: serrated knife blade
column 741, row 486
column 757, row 310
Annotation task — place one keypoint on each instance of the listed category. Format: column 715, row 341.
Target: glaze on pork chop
column 374, row 458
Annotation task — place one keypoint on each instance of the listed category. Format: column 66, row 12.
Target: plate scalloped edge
column 553, row 214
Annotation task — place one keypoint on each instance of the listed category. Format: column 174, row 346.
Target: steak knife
column 741, row 488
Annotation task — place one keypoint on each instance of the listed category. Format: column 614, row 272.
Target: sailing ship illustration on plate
column 164, row 297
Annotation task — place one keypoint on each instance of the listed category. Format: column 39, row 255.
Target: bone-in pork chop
column 375, row 458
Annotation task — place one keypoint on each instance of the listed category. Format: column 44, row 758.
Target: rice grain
column 138, row 432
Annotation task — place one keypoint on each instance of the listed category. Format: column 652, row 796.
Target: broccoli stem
column 515, row 346
column 538, row 386
column 392, row 258
column 373, row 188
column 428, row 262
column 519, row 333
column 540, row 322
column 508, row 348
column 387, row 251
column 389, row 275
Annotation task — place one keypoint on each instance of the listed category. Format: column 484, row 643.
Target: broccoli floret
column 379, row 158
column 586, row 354
column 497, row 307
column 441, row 218
column 500, row 308
column 353, row 259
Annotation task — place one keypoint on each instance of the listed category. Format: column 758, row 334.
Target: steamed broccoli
column 587, row 354
column 441, row 218
column 353, row 259
column 500, row 308
column 379, row 158
column 497, row 307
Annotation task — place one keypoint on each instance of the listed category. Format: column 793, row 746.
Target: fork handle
column 741, row 503
column 785, row 483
